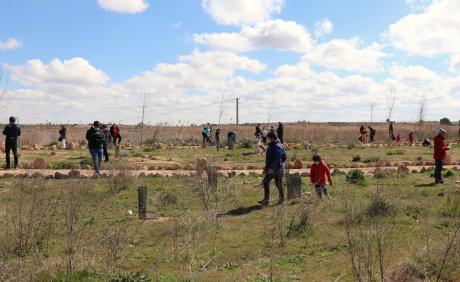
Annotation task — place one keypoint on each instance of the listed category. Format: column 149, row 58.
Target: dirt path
column 66, row 173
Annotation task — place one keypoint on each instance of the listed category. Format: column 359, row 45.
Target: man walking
column 96, row 139
column 274, row 168
column 11, row 132
column 218, row 138
column 439, row 155
column 280, row 132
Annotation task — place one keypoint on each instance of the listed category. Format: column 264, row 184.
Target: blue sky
column 61, row 56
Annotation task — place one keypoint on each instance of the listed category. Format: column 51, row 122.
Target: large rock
column 298, row 164
column 201, row 164
column 39, row 163
column 74, row 173
column 403, row 170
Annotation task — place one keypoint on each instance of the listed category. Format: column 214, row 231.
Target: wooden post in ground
column 212, row 178
column 294, row 186
column 142, row 201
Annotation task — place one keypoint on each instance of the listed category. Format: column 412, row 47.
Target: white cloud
column 124, row 6
column 436, row 30
column 347, row 55
column 323, row 27
column 242, row 12
column 413, row 75
column 273, row 34
column 10, row 44
column 455, row 63
column 75, row 71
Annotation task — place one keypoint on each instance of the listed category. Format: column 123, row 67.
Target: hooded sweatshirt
column 318, row 174
column 275, row 157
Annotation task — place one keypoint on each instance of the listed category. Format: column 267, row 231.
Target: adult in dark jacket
column 11, row 132
column 280, row 132
column 63, row 136
column 371, row 134
column 274, row 168
column 439, row 155
column 96, row 138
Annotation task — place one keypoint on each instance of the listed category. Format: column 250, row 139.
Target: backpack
column 98, row 137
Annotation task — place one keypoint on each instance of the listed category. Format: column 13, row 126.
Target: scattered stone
column 298, row 164
column 39, row 163
column 441, row 194
column 36, row 174
column 176, row 166
column 74, row 173
column 403, row 170
column 382, row 172
column 53, row 153
column 201, row 164
column 59, row 175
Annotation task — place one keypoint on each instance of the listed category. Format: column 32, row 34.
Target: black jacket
column 12, row 131
column 90, row 137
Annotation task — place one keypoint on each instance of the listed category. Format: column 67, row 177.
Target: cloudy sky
column 288, row 60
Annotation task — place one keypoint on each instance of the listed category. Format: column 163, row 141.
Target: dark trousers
column 438, row 170
column 11, row 146
column 278, row 176
column 117, row 140
column 106, row 152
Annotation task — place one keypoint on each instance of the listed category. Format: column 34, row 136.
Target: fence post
column 294, row 186
column 142, row 201
column 212, row 178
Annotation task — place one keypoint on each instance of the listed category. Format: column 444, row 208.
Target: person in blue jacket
column 274, row 168
column 11, row 132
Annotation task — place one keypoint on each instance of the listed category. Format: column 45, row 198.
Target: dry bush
column 112, row 240
column 369, row 231
column 29, row 219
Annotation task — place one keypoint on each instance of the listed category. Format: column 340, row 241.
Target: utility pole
column 237, row 113
column 142, row 123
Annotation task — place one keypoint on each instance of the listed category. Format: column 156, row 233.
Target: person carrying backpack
column 96, row 139
column 11, row 132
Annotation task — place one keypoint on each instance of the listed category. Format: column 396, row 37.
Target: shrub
column 131, row 277
column 356, row 158
column 445, row 121
column 247, row 143
column 395, row 152
column 380, row 207
column 371, row 160
column 449, row 173
column 65, row 165
column 356, row 176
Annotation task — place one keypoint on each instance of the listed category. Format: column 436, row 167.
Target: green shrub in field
column 247, row 143
column 449, row 173
column 65, row 165
column 131, row 277
column 380, row 207
column 371, row 160
column 395, row 152
column 356, row 176
column 356, row 158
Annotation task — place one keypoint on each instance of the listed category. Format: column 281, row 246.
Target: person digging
column 274, row 168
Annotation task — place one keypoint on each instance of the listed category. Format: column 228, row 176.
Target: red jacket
column 318, row 173
column 411, row 137
column 439, row 148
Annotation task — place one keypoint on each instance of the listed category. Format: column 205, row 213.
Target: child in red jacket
column 318, row 173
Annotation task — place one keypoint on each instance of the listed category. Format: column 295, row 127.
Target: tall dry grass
column 341, row 133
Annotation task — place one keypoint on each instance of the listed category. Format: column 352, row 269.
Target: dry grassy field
column 337, row 133
column 389, row 225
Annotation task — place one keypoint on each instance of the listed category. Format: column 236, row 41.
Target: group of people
column 261, row 136
column 274, row 169
column 99, row 136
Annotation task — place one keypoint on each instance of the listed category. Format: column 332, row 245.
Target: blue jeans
column 96, row 154
column 438, row 170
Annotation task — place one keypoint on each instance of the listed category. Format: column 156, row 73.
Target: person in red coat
column 411, row 138
column 439, row 155
column 319, row 171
